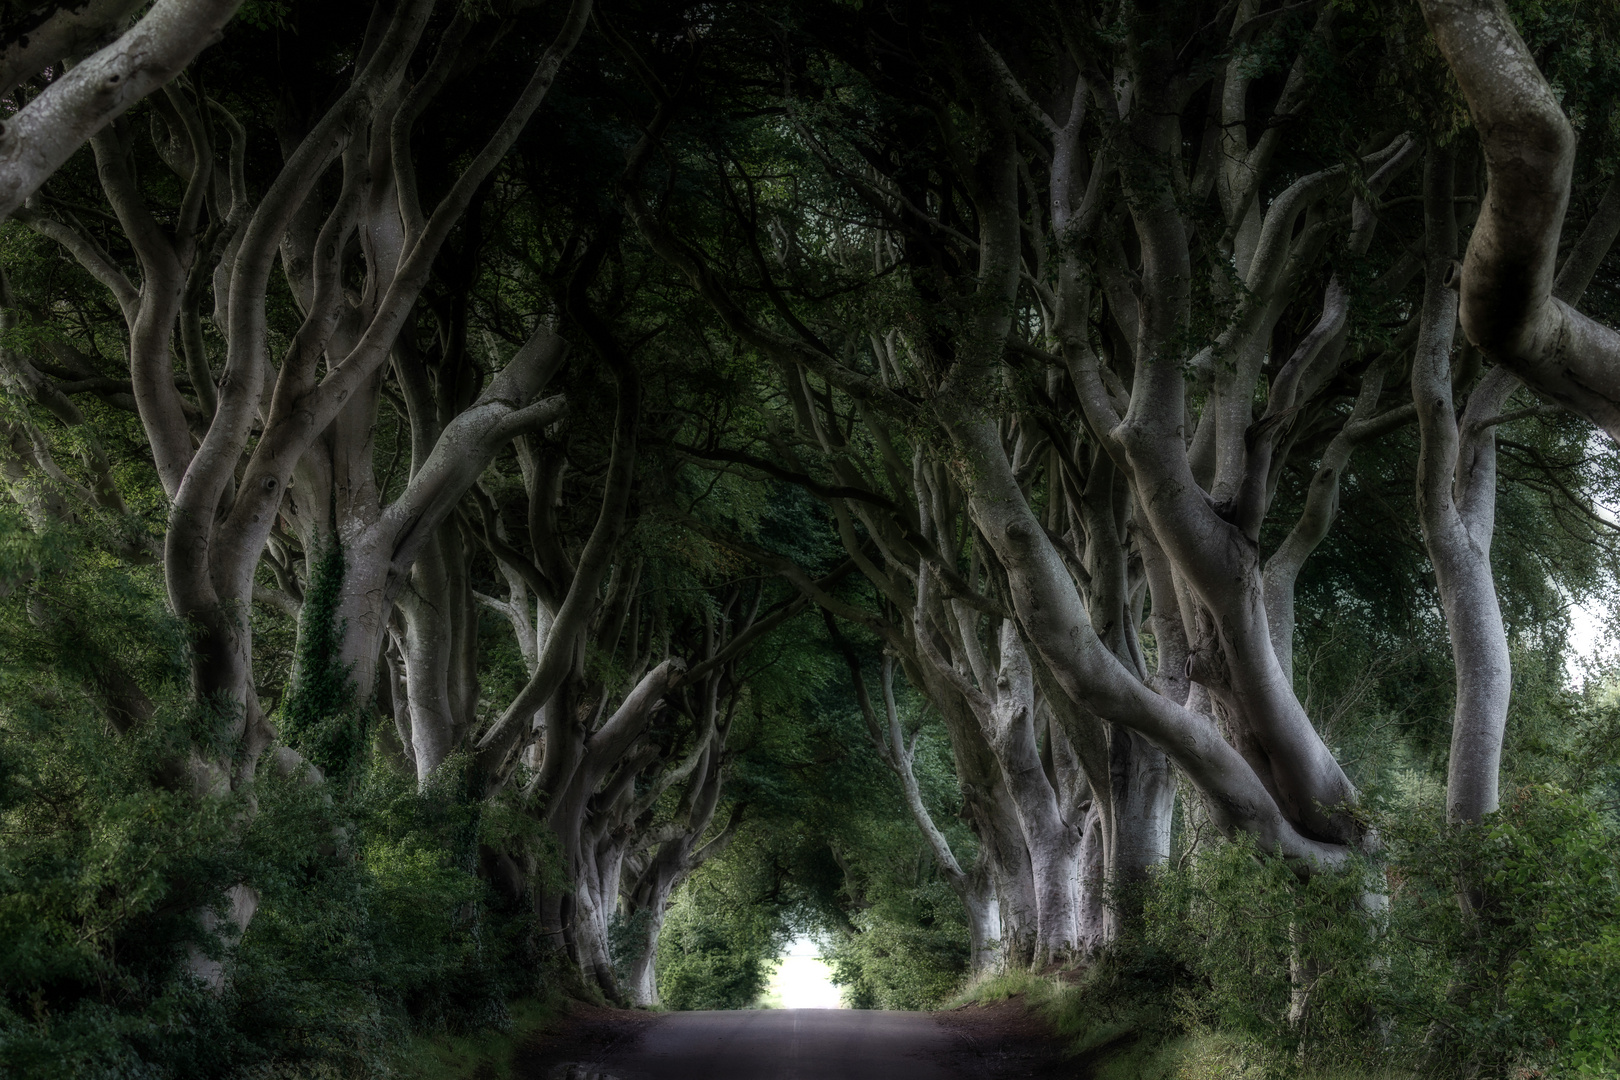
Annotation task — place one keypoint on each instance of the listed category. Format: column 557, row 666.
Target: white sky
column 1589, row 644
column 802, row 980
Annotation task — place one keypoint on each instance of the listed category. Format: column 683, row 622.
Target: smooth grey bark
column 392, row 556
column 1001, row 693
column 440, row 648
column 1507, row 304
column 1011, row 871
column 1456, row 493
column 1096, row 920
column 1042, row 591
column 588, row 772
column 585, row 810
column 1211, row 568
column 644, row 969
column 1282, row 569
column 209, row 565
column 1144, row 795
column 1520, row 313
column 611, row 780
column 561, row 655
column 1140, row 787
column 76, row 105
column 1003, row 865
column 1457, row 479
column 1055, row 619
column 1200, row 484
column 55, row 33
column 668, row 856
column 1203, row 544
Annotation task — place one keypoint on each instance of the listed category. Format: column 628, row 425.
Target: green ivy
column 320, row 717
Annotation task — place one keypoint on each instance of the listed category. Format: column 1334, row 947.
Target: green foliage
column 1257, row 934
column 720, row 940
column 1115, row 1016
column 487, row 1054
column 1530, row 966
column 373, row 921
column 829, row 848
column 1375, row 969
column 908, row 952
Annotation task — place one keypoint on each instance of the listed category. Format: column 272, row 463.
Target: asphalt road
column 779, row 1044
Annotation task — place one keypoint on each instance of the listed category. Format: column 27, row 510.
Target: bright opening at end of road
column 802, row 980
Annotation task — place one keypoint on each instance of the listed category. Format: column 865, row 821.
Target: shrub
column 1383, row 966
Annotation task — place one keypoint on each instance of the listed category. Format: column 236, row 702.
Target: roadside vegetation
column 1208, row 986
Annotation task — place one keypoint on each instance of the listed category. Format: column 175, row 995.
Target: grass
column 485, row 1055
column 1117, row 1025
column 1111, row 1021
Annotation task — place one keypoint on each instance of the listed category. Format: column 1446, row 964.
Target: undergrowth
column 485, row 1054
column 1244, row 968
column 1116, row 1026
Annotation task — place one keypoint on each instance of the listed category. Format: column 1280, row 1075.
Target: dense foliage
column 374, row 918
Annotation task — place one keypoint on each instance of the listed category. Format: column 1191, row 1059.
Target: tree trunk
column 1004, row 850
column 644, row 968
column 1456, row 500
column 1144, row 800
column 983, row 906
column 1509, row 306
column 83, row 100
column 596, row 898
column 1053, row 843
column 440, row 647
column 1095, row 916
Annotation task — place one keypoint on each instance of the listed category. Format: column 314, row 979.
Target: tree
column 1513, row 305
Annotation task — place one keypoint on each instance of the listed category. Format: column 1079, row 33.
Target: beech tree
column 1517, row 303
column 255, row 422
column 1114, row 247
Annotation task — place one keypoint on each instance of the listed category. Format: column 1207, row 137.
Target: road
column 779, row 1044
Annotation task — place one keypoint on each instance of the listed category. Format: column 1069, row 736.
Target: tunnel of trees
column 508, row 499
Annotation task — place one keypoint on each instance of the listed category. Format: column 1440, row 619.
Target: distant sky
column 1588, row 623
column 803, row 980
column 1585, row 641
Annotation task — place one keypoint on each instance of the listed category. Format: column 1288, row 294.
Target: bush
column 910, row 954
column 1321, row 972
column 1528, row 974
column 373, row 921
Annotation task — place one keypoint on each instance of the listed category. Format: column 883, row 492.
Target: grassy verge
column 485, row 1055
column 1119, row 1024
column 1112, row 1032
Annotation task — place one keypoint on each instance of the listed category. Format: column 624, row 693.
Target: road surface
column 779, row 1044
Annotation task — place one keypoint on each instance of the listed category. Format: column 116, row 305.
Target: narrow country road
column 779, row 1044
